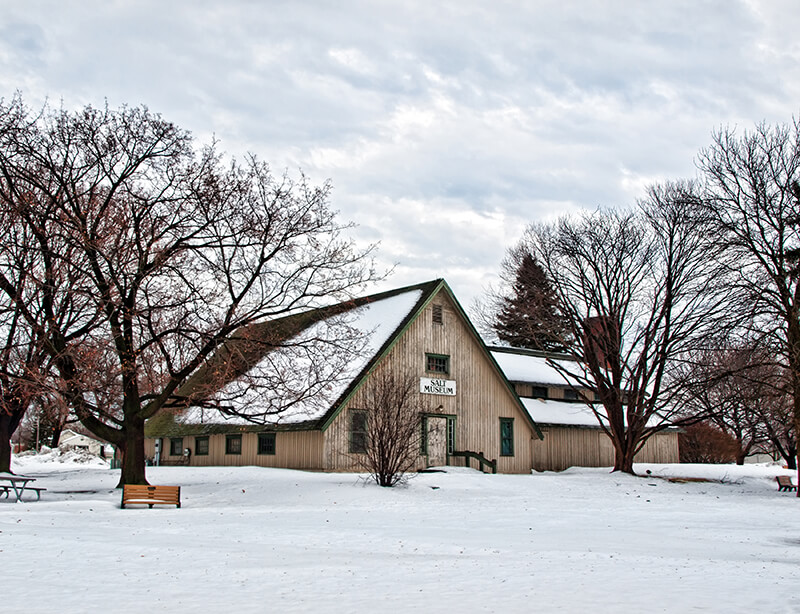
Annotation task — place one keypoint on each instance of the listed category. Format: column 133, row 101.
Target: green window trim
column 176, row 446
column 437, row 363
column 358, row 431
column 451, row 435
column 506, row 436
column 201, row 446
column 233, row 444
column 266, row 444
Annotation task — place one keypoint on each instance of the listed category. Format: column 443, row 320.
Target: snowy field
column 270, row 540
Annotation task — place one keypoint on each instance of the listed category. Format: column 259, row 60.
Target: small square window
column 233, row 444
column 266, row 443
column 176, row 446
column 437, row 363
column 201, row 446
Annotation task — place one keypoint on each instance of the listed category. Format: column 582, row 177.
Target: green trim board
column 506, row 436
column 164, row 425
column 430, row 290
column 451, row 420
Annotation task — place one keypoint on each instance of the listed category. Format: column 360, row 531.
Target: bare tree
column 37, row 294
column 751, row 206
column 634, row 288
column 172, row 250
column 389, row 444
column 726, row 386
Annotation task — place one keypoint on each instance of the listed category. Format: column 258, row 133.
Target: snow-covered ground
column 269, row 540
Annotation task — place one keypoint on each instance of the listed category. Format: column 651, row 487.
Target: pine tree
column 528, row 317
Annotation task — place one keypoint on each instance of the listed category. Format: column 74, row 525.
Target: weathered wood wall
column 482, row 397
column 565, row 447
column 293, row 449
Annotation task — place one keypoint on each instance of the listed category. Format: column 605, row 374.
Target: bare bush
column 388, row 445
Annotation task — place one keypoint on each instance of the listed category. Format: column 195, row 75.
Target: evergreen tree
column 528, row 317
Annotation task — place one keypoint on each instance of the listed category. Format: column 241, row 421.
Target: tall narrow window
column 358, row 431
column 451, row 435
column 506, row 436
column 436, row 312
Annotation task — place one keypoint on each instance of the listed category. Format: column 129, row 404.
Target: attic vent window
column 437, row 314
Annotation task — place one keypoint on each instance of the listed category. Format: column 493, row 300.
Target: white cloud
column 486, row 116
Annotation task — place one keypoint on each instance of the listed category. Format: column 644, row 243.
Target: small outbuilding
column 80, row 441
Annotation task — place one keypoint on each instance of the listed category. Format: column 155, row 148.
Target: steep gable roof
column 378, row 316
column 396, row 310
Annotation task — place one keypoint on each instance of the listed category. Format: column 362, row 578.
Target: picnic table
column 18, row 484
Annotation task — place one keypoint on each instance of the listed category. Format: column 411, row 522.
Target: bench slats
column 143, row 494
column 785, row 483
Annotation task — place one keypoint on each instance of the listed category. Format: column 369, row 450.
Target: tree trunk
column 56, row 436
column 133, row 465
column 5, row 442
column 623, row 457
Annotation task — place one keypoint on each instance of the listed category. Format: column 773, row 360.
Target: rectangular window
column 570, row 394
column 506, row 436
column 451, row 435
column 539, row 392
column 266, row 443
column 437, row 363
column 436, row 312
column 358, row 431
column 176, row 446
column 233, row 444
column 201, row 446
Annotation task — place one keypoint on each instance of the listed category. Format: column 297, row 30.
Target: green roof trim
column 248, row 345
column 430, row 290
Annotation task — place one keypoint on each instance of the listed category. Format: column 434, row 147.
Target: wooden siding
column 293, row 449
column 482, row 397
column 565, row 447
column 525, row 389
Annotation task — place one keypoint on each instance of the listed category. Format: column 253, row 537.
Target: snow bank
column 250, row 539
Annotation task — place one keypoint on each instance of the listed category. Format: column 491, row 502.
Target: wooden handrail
column 478, row 456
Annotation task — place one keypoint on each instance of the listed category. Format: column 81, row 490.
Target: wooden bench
column 143, row 494
column 785, row 483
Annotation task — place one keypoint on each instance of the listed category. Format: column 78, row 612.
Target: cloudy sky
column 445, row 127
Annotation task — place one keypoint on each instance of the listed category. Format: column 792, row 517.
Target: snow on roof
column 372, row 325
column 519, row 367
column 560, row 412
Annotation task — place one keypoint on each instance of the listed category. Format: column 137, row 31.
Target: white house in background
column 72, row 439
column 572, row 435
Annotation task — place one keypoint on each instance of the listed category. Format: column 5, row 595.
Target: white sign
column 446, row 387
